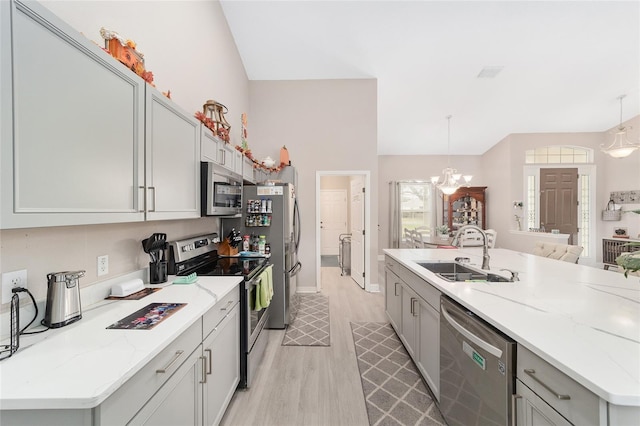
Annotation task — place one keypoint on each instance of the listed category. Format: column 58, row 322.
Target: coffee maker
column 63, row 299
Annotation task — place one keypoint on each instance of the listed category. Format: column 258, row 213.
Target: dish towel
column 264, row 289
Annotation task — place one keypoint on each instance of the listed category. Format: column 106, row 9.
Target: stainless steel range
column 199, row 254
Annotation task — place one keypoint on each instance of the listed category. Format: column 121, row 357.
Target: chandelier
column 620, row 147
column 450, row 180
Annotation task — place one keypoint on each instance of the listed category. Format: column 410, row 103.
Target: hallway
column 310, row 385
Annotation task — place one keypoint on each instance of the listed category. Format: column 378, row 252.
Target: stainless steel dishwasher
column 477, row 365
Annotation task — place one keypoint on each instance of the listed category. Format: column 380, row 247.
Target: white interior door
column 333, row 219
column 357, row 230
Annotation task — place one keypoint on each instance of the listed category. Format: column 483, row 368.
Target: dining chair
column 470, row 238
column 492, row 234
column 416, row 237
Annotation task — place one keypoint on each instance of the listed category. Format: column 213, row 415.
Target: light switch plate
column 11, row 280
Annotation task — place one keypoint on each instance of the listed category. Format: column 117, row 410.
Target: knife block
column 224, row 249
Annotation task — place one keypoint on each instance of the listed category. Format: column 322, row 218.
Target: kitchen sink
column 455, row 272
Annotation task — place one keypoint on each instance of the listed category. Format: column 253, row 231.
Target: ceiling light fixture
column 450, row 176
column 620, row 147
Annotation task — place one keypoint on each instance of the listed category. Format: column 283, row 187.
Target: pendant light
column 620, row 147
column 450, row 176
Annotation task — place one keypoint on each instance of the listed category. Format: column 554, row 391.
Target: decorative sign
column 625, row 197
column 270, row 190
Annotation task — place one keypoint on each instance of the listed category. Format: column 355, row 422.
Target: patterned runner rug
column 311, row 324
column 393, row 389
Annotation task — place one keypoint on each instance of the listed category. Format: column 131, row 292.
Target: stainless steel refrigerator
column 271, row 210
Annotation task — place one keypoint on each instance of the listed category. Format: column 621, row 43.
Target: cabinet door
column 393, row 300
column 238, row 161
column 226, row 155
column 178, row 402
column 72, row 126
column 221, row 350
column 531, row 410
column 208, row 145
column 428, row 359
column 247, row 170
column 408, row 335
column 172, row 166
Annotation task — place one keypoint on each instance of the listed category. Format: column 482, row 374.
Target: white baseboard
column 373, row 288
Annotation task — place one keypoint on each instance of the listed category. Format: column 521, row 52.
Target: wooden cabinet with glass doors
column 466, row 206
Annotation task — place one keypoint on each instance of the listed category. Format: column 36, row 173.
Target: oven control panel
column 189, row 248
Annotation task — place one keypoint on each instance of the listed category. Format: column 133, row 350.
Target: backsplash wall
column 64, row 248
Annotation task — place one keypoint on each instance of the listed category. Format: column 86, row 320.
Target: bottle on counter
column 254, row 243
column 267, row 248
column 245, row 243
column 262, row 243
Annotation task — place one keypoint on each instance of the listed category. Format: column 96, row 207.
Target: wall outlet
column 103, row 265
column 11, row 280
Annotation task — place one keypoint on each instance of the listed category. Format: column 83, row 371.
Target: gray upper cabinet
column 84, row 139
column 172, row 168
column 72, row 139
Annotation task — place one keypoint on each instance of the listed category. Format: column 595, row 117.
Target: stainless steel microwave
column 221, row 191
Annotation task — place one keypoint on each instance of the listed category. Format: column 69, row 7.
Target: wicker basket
column 610, row 213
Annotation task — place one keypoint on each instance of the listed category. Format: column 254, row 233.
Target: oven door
column 221, row 191
column 255, row 319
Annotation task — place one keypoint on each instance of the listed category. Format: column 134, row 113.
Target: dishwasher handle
column 469, row 335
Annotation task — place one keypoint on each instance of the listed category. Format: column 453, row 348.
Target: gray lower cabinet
column 413, row 308
column 547, row 396
column 221, row 351
column 393, row 299
column 531, row 410
column 410, row 328
column 178, row 402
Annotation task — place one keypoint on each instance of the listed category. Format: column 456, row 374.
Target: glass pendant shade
column 621, row 146
column 450, row 180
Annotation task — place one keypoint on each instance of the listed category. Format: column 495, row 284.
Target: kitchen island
column 87, row 374
column 583, row 321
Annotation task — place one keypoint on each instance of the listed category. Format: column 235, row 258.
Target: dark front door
column 559, row 201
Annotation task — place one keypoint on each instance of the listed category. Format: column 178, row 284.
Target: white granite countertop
column 80, row 365
column 583, row 320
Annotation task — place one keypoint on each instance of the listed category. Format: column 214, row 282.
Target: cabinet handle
column 395, row 289
column 227, row 306
column 531, row 372
column 173, row 360
column 141, row 210
column 210, row 356
column 204, row 369
column 413, row 309
column 154, row 198
column 514, row 407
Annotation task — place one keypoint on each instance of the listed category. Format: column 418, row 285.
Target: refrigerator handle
column 296, row 223
column 296, row 268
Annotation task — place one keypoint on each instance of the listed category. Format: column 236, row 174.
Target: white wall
column 503, row 169
column 190, row 50
column 326, row 125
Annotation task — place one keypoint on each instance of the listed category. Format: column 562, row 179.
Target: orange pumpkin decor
column 284, row 157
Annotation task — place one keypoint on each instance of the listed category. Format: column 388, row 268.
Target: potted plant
column 630, row 262
column 442, row 231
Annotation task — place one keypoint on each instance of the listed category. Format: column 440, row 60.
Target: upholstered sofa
column 564, row 252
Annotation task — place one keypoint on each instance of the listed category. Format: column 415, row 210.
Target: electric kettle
column 63, row 299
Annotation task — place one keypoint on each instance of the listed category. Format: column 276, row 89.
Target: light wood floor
column 304, row 386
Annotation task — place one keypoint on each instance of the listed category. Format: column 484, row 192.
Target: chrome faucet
column 485, row 241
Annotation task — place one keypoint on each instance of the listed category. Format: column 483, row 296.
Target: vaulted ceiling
column 562, row 64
